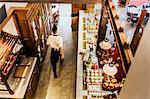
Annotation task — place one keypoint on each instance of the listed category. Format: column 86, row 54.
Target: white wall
column 137, row 84
column 10, row 27
column 12, row 4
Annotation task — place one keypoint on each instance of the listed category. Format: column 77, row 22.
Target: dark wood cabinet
column 136, row 39
column 25, row 32
column 75, row 15
column 138, row 33
column 34, row 27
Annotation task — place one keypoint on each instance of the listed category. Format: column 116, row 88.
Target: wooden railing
column 127, row 55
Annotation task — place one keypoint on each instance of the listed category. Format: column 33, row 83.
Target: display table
column 20, row 85
column 79, row 85
column 89, row 75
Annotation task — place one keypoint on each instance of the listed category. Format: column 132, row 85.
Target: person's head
column 54, row 29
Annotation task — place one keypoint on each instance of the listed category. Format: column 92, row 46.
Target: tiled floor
column 64, row 86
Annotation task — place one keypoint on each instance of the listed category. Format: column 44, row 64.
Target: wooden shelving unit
column 36, row 20
column 124, row 51
column 33, row 26
column 7, row 58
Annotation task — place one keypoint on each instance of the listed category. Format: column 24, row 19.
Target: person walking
column 56, row 43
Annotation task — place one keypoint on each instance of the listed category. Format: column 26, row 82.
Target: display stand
column 89, row 75
column 19, row 80
column 7, row 58
column 120, row 36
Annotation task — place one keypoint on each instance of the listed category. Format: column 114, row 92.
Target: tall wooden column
column 138, row 33
column 25, row 34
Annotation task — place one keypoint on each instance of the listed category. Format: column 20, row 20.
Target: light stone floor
column 44, row 78
column 64, row 86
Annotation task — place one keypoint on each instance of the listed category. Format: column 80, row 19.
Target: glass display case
column 89, row 74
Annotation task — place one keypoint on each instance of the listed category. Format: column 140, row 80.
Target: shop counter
column 89, row 75
column 79, row 85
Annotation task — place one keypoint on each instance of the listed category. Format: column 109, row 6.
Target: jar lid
column 109, row 70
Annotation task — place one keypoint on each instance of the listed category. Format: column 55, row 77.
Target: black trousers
column 55, row 54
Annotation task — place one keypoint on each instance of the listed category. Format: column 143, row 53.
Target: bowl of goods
column 95, row 66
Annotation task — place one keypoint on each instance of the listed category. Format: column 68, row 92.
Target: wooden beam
column 122, row 35
column 9, row 15
column 56, row 1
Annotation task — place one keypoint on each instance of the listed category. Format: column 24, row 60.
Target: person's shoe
column 55, row 76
